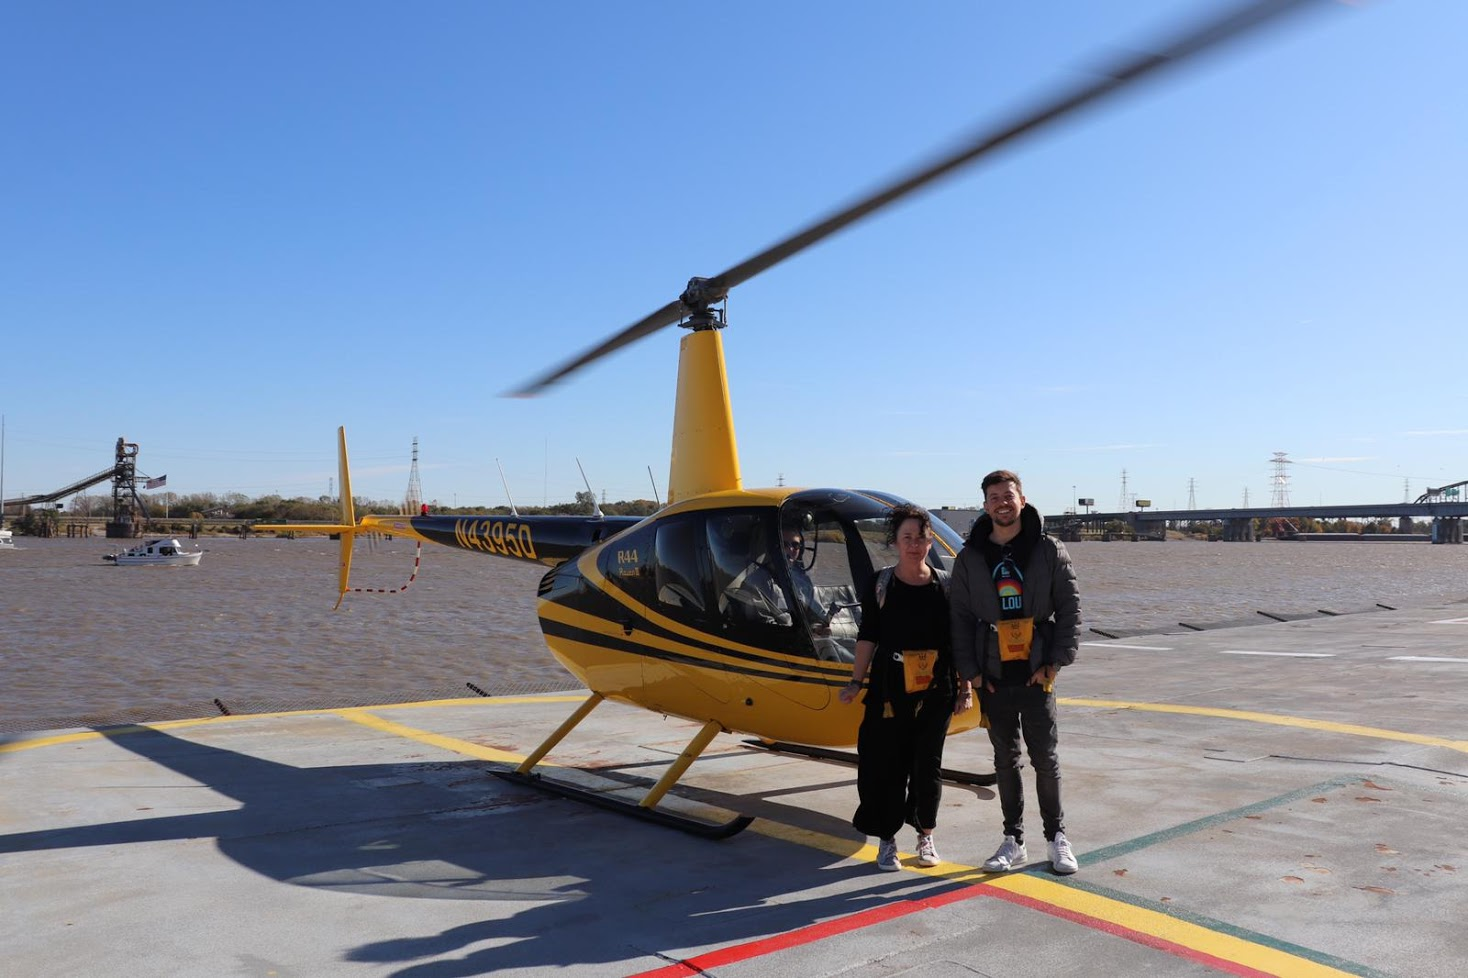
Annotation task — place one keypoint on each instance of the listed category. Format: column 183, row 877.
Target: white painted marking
column 1143, row 648
column 1427, row 658
column 1450, row 621
column 1288, row 655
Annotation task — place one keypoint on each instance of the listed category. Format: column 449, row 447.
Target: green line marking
column 1200, row 920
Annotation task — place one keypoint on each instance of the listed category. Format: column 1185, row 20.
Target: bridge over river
column 1240, row 523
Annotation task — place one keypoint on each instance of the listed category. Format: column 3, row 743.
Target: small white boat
column 158, row 553
column 7, row 540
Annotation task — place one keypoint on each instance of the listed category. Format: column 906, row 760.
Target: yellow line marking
column 453, row 744
column 84, row 735
column 1277, row 719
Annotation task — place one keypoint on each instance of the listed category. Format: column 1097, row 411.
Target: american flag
column 157, row 483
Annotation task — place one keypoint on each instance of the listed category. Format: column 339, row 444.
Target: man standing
column 1016, row 620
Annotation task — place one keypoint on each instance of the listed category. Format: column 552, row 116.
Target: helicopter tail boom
column 546, row 540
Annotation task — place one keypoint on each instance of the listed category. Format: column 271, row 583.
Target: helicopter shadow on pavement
column 553, row 882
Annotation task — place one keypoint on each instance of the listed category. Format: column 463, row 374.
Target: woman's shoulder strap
column 884, row 580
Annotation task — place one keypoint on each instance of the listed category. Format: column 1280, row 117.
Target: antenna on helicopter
column 506, row 483
column 596, row 506
column 654, row 482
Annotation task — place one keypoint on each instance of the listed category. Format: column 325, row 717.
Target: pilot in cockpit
column 793, row 543
column 818, row 615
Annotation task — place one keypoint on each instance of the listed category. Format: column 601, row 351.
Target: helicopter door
column 681, row 594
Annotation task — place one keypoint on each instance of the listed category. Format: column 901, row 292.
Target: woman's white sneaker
column 927, row 852
column 887, row 855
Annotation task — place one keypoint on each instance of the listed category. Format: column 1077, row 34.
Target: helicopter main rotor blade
column 666, row 316
column 1196, row 39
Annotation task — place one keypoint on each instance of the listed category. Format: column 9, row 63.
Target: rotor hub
column 698, row 297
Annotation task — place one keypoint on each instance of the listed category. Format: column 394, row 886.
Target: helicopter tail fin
column 349, row 518
column 347, row 529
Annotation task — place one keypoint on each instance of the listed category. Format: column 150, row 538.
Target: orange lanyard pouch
column 918, row 666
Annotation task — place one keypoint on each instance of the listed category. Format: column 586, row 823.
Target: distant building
column 962, row 520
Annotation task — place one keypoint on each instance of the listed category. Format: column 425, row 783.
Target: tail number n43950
column 496, row 537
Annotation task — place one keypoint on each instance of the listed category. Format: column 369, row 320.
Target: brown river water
column 84, row 642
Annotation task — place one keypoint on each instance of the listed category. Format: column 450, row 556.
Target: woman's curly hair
column 903, row 512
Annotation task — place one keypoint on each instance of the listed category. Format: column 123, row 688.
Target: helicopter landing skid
column 683, row 823
column 646, row 809
column 847, row 757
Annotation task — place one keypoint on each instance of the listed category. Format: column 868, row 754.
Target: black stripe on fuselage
column 749, row 664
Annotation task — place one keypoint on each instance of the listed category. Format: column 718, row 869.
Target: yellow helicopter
column 659, row 612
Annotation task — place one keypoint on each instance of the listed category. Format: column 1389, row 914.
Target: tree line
column 276, row 508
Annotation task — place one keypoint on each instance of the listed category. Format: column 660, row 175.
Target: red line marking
column 866, row 918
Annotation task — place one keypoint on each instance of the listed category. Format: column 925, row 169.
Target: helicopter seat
column 677, row 596
column 841, row 605
column 843, row 613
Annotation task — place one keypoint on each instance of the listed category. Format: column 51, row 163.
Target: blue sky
column 227, row 229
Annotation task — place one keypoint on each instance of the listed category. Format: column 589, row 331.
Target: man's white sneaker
column 887, row 855
column 1062, row 860
column 927, row 852
column 1006, row 856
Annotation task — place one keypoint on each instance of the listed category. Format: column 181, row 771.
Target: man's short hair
column 1001, row 475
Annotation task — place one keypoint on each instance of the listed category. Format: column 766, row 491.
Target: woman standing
column 903, row 650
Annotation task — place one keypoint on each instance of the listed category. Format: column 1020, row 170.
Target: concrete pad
column 1263, row 814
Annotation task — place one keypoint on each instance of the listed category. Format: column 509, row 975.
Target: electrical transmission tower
column 1281, row 480
column 1121, row 507
column 1192, row 494
column 413, row 499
